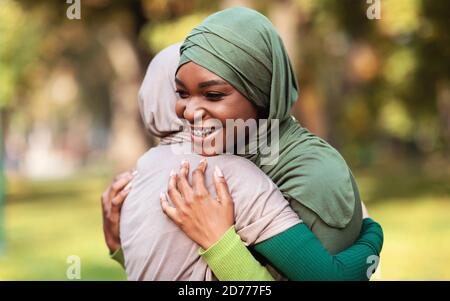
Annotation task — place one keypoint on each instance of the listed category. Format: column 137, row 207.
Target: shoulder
column 319, row 173
column 148, row 156
column 241, row 169
column 324, row 164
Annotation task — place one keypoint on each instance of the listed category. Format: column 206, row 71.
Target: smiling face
column 207, row 97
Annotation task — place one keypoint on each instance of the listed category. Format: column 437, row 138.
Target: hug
column 200, row 208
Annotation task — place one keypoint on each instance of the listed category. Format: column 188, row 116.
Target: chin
column 206, row 152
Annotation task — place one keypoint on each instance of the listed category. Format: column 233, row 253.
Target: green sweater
column 296, row 253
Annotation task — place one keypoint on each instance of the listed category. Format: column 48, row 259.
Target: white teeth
column 202, row 132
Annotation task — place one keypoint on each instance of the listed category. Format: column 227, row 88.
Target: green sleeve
column 299, row 255
column 118, row 256
column 230, row 260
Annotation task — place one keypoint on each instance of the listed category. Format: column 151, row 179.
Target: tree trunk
column 284, row 16
column 287, row 18
column 231, row 3
column 128, row 140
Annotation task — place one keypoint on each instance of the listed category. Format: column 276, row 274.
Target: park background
column 377, row 89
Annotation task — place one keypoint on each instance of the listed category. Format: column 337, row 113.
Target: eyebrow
column 178, row 81
column 214, row 82
column 208, row 83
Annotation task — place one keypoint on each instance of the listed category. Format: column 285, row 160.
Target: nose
column 194, row 110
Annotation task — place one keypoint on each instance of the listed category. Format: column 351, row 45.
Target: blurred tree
column 365, row 85
column 101, row 51
column 18, row 48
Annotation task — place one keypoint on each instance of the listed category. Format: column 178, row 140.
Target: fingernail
column 184, row 162
column 172, row 173
column 203, row 160
column 128, row 187
column 218, row 172
column 135, row 172
column 162, row 196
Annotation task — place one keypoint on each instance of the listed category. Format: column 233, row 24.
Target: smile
column 202, row 132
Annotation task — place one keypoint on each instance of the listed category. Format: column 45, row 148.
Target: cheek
column 243, row 109
column 234, row 107
column 240, row 107
column 222, row 112
column 250, row 110
column 180, row 106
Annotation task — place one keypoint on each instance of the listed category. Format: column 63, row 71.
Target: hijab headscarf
column 157, row 98
column 242, row 46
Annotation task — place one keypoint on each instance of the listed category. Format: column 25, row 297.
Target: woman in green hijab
column 234, row 66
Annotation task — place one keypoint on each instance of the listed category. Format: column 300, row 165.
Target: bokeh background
column 377, row 89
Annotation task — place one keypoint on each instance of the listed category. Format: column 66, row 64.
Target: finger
column 128, row 173
column 174, row 194
column 202, row 165
column 117, row 202
column 198, row 179
column 118, row 186
column 184, row 168
column 121, row 175
column 168, row 210
column 182, row 181
column 223, row 194
column 105, row 198
column 128, row 186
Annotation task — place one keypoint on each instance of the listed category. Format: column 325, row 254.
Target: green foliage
column 158, row 36
column 19, row 42
column 361, row 68
column 398, row 77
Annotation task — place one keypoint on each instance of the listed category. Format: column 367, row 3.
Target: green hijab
column 241, row 46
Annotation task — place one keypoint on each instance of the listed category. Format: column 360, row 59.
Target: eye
column 214, row 96
column 182, row 94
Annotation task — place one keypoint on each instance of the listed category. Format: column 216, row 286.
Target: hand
column 201, row 217
column 112, row 200
column 364, row 210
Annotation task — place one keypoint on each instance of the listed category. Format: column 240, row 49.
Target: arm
column 296, row 252
column 118, row 257
column 112, row 201
column 300, row 256
column 230, row 260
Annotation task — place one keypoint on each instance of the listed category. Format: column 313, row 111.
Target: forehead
column 191, row 72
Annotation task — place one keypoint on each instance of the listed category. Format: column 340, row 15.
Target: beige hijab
column 157, row 98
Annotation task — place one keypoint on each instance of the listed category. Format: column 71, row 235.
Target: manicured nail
column 162, row 196
column 204, row 164
column 184, row 162
column 172, row 173
column 134, row 173
column 128, row 187
column 218, row 172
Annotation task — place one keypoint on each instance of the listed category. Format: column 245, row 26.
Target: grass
column 47, row 221
column 413, row 206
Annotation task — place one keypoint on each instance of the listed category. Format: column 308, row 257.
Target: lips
column 202, row 132
column 207, row 141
